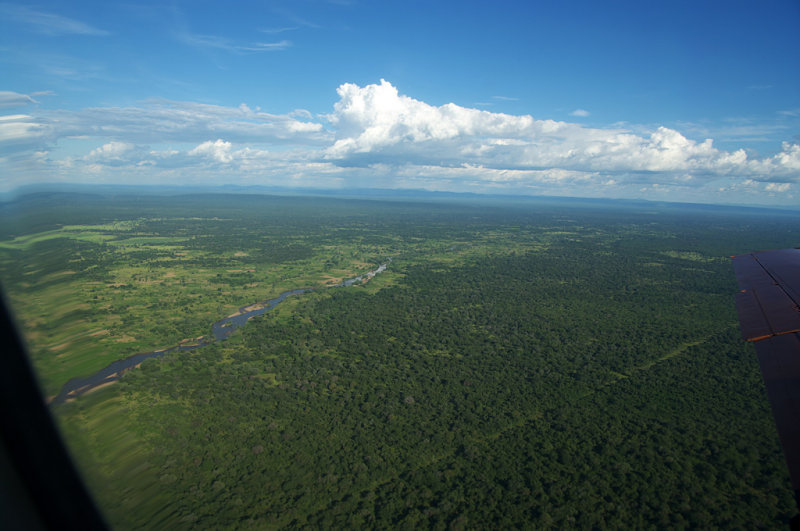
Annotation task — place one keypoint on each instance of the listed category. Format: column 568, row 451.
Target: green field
column 90, row 294
column 539, row 363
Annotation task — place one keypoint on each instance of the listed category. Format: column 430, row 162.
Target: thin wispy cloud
column 164, row 121
column 273, row 31
column 269, row 46
column 581, row 113
column 505, row 98
column 14, row 99
column 46, row 23
column 220, row 43
column 738, row 130
column 297, row 20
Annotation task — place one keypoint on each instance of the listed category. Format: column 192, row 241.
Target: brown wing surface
column 769, row 316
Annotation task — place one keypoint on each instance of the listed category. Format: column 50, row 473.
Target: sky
column 673, row 101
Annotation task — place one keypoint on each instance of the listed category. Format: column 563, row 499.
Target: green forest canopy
column 529, row 364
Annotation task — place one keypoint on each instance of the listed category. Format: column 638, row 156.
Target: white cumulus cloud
column 218, row 150
column 110, row 151
column 376, row 116
column 777, row 187
column 376, row 124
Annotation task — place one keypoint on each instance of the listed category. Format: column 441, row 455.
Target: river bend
column 221, row 330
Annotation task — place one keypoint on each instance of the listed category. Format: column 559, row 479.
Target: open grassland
column 88, row 294
column 139, row 291
column 121, row 456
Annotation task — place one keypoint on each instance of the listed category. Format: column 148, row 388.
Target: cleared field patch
column 118, row 468
column 145, row 289
column 693, row 256
column 24, row 242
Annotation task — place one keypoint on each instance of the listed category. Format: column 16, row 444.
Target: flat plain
column 521, row 363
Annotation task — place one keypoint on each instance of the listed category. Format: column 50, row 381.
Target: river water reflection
column 221, row 330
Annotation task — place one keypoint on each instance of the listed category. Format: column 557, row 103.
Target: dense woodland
column 521, row 364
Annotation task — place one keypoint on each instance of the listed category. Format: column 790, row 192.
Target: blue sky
column 679, row 101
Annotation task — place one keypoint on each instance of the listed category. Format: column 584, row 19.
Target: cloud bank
column 375, row 136
column 377, row 124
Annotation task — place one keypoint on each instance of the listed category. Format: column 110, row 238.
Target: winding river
column 221, row 330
